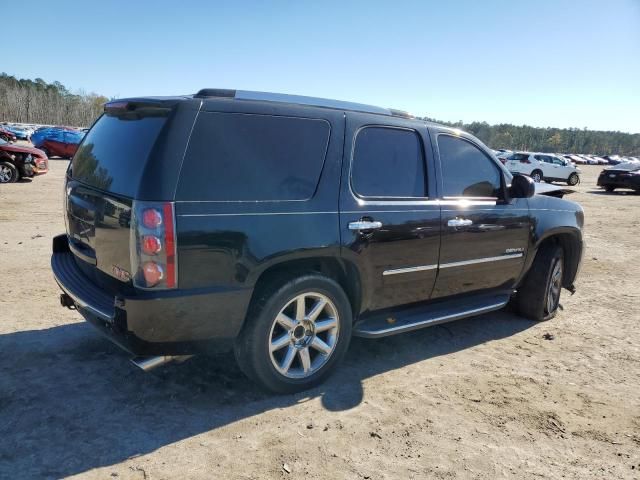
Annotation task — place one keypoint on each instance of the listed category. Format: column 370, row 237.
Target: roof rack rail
column 299, row 100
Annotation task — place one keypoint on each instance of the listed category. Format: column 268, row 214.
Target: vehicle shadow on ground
column 614, row 193
column 70, row 401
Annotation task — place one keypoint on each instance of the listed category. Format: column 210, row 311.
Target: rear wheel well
column 343, row 272
column 571, row 254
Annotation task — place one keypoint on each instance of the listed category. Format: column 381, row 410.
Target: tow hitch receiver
column 67, row 301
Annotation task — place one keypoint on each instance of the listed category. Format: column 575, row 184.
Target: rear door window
column 388, row 162
column 250, row 157
column 466, row 170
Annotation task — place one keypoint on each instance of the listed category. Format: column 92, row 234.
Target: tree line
column 36, row 101
column 560, row 140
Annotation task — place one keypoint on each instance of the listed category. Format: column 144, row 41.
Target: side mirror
column 522, row 187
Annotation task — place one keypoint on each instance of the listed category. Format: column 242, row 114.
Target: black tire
column 573, row 179
column 9, row 173
column 45, row 151
column 252, row 350
column 537, row 174
column 533, row 295
column 609, row 188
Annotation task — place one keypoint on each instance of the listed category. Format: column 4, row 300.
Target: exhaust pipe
column 149, row 363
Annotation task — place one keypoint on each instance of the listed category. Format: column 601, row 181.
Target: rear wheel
column 296, row 333
column 573, row 179
column 46, row 152
column 8, row 173
column 537, row 176
column 539, row 296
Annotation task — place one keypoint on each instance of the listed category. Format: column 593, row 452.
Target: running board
column 426, row 315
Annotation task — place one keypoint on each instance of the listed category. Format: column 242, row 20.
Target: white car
column 543, row 166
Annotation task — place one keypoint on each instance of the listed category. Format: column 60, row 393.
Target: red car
column 6, row 135
column 18, row 161
column 57, row 141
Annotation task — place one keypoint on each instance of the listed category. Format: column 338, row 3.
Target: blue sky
column 564, row 63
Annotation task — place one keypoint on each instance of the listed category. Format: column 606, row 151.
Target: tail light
column 153, row 245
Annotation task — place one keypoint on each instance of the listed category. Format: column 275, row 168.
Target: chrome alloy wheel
column 5, row 174
column 536, row 177
column 555, row 285
column 304, row 335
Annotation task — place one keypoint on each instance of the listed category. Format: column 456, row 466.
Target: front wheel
column 573, row 179
column 297, row 331
column 8, row 173
column 538, row 297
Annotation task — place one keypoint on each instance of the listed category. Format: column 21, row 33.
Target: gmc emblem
column 120, row 273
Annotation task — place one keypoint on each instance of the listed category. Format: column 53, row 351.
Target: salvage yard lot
column 493, row 396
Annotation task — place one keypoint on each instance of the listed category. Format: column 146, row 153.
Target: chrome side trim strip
column 421, row 268
column 481, row 260
column 436, row 320
column 252, row 214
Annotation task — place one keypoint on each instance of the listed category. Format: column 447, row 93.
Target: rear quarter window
column 113, row 155
column 251, row 157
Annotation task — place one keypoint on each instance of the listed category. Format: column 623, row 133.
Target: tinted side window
column 245, row 157
column 466, row 170
column 114, row 153
column 388, row 162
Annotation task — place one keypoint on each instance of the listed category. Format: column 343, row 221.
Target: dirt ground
column 490, row 397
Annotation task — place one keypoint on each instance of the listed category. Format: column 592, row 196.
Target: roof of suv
column 213, row 93
column 299, row 100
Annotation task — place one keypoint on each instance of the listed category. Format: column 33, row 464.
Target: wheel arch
column 344, row 272
column 570, row 240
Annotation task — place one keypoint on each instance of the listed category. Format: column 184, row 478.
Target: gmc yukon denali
column 278, row 226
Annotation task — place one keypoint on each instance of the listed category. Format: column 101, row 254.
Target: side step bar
column 416, row 317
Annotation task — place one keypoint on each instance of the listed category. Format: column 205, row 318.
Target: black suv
column 279, row 226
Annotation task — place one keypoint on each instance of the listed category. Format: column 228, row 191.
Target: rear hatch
column 102, row 182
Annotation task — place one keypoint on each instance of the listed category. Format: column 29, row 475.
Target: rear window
column 113, row 155
column 247, row 157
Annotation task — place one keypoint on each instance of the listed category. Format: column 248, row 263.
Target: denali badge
column 120, row 273
column 514, row 250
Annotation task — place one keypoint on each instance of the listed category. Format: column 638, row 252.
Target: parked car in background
column 17, row 161
column 20, row 133
column 612, row 159
column 7, row 135
column 623, row 175
column 57, row 141
column 543, row 166
column 291, row 224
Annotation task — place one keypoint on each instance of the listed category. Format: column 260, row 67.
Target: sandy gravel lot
column 491, row 397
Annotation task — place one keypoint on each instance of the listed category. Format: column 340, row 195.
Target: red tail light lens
column 152, row 273
column 151, row 218
column 153, row 245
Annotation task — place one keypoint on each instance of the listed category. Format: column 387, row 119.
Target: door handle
column 364, row 225
column 459, row 222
